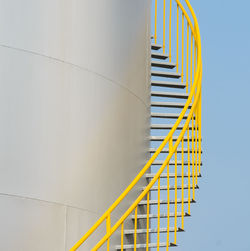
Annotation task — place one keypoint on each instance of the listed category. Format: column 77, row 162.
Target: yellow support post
column 155, row 21
column 108, row 228
column 175, row 204
column 191, row 62
column 122, row 231
column 158, row 217
column 177, row 41
column 189, row 185
column 147, row 238
column 182, row 184
column 193, row 171
column 182, row 49
column 187, row 74
column 135, row 234
column 164, row 26
column 170, row 31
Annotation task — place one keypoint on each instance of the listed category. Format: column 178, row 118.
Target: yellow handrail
column 193, row 101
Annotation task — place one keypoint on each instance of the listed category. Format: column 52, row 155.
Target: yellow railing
column 188, row 60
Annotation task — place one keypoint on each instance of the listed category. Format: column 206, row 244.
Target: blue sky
column 221, row 218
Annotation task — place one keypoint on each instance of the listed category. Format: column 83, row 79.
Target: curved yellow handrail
column 195, row 112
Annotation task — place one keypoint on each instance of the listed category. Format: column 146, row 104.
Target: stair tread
column 167, row 115
column 171, row 215
column 165, row 126
column 159, row 55
column 156, row 46
column 169, row 104
column 167, row 65
column 179, row 187
column 170, row 94
column 168, row 84
column 166, row 150
column 161, row 138
column 150, row 245
column 155, row 202
column 172, row 162
column 166, row 74
column 172, row 175
column 152, row 230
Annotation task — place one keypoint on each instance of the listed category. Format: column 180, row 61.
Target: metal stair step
column 179, row 187
column 152, row 230
column 162, row 202
column 158, row 55
column 169, row 104
column 171, row 175
column 150, row 245
column 165, row 126
column 153, row 216
column 167, row 115
column 165, row 74
column 161, row 138
column 169, row 95
column 156, row 46
column 172, row 163
column 168, row 84
column 166, row 150
column 167, row 65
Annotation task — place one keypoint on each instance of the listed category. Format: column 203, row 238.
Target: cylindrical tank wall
column 74, row 114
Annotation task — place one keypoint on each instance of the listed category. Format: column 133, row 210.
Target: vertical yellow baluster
column 175, row 216
column 200, row 136
column 187, row 74
column 194, row 57
column 155, row 21
column 135, row 234
column 182, row 185
column 122, row 231
column 189, row 185
column 182, row 49
column 191, row 62
column 108, row 229
column 164, row 26
column 196, row 147
column 193, row 171
column 177, row 40
column 158, row 217
column 168, row 195
column 170, row 31
column 147, row 222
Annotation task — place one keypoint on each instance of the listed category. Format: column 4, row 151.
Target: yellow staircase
column 152, row 221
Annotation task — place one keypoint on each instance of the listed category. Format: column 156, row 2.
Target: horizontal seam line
column 47, row 201
column 77, row 66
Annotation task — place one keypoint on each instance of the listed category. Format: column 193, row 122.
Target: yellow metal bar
column 108, row 228
column 175, row 206
column 182, row 184
column 122, row 232
column 187, row 74
column 191, row 62
column 177, row 40
column 193, row 171
column 147, row 240
column 135, row 234
column 196, row 147
column 189, row 185
column 170, row 31
column 168, row 195
column 158, row 217
column 155, row 21
column 182, row 49
column 164, row 26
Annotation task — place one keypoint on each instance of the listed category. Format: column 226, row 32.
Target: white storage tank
column 74, row 115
